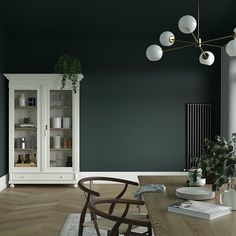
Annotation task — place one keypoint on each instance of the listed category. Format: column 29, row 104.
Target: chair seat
column 106, row 224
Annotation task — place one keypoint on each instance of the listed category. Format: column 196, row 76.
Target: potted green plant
column 70, row 69
column 219, row 162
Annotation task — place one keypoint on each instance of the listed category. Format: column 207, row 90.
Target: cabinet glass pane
column 60, row 128
column 25, row 114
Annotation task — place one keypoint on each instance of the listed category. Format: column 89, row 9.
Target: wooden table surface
column 168, row 223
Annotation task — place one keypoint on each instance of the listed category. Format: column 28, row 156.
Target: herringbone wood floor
column 40, row 210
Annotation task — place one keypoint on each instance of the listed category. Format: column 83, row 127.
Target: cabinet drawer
column 43, row 176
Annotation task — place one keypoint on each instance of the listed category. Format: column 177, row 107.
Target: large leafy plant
column 69, row 67
column 218, row 161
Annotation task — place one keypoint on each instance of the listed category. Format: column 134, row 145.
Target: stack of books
column 27, row 125
column 199, row 209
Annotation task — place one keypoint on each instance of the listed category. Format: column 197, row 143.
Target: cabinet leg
column 12, row 186
column 75, row 185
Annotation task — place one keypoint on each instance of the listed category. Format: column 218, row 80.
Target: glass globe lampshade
column 187, row 24
column 154, row 52
column 231, row 48
column 167, row 38
column 207, row 58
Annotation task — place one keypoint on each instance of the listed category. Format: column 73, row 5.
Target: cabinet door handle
column 46, row 129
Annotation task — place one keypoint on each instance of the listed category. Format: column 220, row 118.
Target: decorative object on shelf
column 19, row 159
column 69, row 161
column 187, row 25
column 56, row 122
column 69, row 142
column 25, row 125
column 66, row 122
column 32, row 101
column 22, row 143
column 57, row 142
column 70, row 68
column 27, row 120
column 65, row 143
column 22, row 100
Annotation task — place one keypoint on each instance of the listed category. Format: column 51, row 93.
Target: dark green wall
column 132, row 110
column 3, row 106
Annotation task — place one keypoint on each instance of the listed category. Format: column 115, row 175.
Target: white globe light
column 187, row 24
column 207, row 58
column 167, row 38
column 154, row 52
column 231, row 48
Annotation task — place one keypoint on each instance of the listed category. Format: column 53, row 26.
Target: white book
column 199, row 209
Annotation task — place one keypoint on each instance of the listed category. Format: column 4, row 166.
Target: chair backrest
column 119, row 219
column 90, row 193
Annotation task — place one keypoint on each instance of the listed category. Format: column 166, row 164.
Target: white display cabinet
column 43, row 130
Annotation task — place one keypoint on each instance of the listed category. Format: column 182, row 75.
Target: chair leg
column 150, row 231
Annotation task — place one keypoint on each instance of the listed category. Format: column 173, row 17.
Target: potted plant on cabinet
column 70, row 69
column 218, row 161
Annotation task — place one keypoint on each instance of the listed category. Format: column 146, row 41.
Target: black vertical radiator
column 198, row 128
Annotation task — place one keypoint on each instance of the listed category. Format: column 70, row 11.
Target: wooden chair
column 119, row 224
column 90, row 194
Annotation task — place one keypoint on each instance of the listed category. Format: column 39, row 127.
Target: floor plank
column 40, row 210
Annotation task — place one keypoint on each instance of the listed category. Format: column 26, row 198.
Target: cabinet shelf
column 25, row 107
column 61, row 107
column 25, row 149
column 60, row 149
column 28, row 128
column 60, row 128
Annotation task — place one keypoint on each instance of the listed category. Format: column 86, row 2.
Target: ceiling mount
column 188, row 24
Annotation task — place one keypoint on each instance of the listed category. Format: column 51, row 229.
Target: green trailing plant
column 69, row 67
column 218, row 161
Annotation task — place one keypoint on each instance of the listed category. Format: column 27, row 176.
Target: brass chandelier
column 187, row 25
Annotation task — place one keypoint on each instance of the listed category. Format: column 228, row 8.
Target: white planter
column 200, row 181
column 228, row 198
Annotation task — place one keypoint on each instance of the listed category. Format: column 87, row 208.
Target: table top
column 169, row 223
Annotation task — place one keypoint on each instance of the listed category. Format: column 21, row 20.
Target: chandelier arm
column 196, row 40
column 172, row 49
column 183, row 41
column 205, row 54
column 212, row 45
column 216, row 39
column 201, row 49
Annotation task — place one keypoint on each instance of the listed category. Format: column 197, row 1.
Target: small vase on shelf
column 22, row 100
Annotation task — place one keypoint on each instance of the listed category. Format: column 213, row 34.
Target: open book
column 199, row 209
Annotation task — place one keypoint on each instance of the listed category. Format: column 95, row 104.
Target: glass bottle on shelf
column 23, row 143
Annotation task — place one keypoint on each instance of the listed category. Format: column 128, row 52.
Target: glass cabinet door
column 60, row 128
column 25, row 128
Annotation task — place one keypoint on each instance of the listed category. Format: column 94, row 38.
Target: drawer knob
column 62, row 176
column 22, row 176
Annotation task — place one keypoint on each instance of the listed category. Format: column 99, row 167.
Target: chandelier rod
column 196, row 40
column 183, row 41
column 225, row 37
column 198, row 20
column 172, row 49
column 212, row 45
